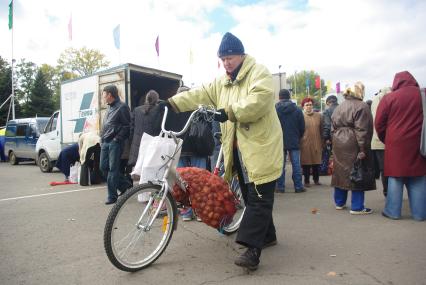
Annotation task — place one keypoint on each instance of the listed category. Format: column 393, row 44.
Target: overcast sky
column 344, row 41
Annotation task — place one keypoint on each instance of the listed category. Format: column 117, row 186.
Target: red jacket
column 398, row 123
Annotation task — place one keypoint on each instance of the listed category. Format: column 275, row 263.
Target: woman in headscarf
column 311, row 142
column 352, row 128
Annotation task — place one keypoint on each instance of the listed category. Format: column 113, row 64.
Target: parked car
column 21, row 138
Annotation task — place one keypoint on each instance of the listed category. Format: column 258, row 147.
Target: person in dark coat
column 352, row 129
column 331, row 103
column 67, row 157
column 293, row 126
column 398, row 123
column 146, row 119
column 115, row 131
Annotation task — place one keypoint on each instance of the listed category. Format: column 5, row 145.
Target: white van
column 48, row 145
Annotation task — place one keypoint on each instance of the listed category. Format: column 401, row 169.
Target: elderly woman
column 352, row 128
column 311, row 142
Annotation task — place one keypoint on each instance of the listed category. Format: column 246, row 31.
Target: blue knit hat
column 230, row 45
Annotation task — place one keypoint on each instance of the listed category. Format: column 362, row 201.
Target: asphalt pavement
column 54, row 235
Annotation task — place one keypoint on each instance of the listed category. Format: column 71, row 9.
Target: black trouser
column 379, row 155
column 307, row 172
column 257, row 226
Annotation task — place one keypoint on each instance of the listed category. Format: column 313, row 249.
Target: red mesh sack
column 209, row 196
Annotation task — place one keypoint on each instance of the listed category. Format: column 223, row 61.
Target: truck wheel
column 44, row 163
column 13, row 159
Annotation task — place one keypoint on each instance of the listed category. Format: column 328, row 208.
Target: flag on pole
column 157, row 45
column 307, row 82
column 328, row 86
column 338, row 87
column 317, row 82
column 116, row 34
column 191, row 56
column 11, row 15
column 70, row 28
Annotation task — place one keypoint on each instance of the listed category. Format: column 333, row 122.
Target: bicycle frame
column 165, row 187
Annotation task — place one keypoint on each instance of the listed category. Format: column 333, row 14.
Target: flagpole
column 12, row 100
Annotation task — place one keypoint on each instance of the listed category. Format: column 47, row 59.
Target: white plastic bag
column 154, row 155
column 74, row 173
column 145, row 141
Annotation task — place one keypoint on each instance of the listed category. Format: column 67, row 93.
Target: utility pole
column 279, row 73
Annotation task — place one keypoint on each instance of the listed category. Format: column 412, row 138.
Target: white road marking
column 48, row 194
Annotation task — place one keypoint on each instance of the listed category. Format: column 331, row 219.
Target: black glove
column 163, row 104
column 221, row 116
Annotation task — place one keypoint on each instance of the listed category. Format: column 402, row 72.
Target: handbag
column 360, row 175
column 200, row 136
column 423, row 134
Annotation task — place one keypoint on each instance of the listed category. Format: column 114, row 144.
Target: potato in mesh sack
column 209, row 196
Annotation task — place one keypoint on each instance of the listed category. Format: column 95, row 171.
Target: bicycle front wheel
column 131, row 243
column 240, row 205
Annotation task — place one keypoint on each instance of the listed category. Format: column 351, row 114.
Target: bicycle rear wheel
column 129, row 242
column 241, row 207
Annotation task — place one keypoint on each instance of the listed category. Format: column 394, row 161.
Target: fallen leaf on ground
column 331, row 273
column 314, row 211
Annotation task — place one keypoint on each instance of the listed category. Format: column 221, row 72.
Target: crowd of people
column 258, row 134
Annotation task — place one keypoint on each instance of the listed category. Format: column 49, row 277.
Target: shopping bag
column 155, row 154
column 74, row 172
column 361, row 175
column 145, row 141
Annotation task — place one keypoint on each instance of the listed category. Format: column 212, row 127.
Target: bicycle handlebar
column 201, row 109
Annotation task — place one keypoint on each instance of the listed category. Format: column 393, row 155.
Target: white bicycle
column 137, row 233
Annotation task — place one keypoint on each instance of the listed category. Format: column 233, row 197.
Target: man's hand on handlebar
column 165, row 103
column 221, row 116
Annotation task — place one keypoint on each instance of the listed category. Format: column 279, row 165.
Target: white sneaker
column 341, row 207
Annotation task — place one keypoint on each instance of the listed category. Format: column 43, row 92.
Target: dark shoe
column 270, row 243
column 300, row 190
column 365, row 211
column 317, row 183
column 389, row 217
column 249, row 259
column 109, row 202
column 307, row 185
column 279, row 190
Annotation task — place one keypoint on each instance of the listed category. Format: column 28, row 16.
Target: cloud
column 344, row 41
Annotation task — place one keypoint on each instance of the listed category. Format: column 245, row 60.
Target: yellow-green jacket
column 249, row 103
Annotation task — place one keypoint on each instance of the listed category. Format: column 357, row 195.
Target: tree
column 303, row 82
column 5, row 89
column 40, row 99
column 25, row 75
column 83, row 61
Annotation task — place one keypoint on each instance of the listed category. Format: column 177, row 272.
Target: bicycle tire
column 241, row 207
column 130, row 204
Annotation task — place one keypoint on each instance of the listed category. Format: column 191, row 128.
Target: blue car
column 21, row 138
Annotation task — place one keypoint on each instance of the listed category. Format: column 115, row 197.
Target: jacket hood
column 403, row 79
column 286, row 106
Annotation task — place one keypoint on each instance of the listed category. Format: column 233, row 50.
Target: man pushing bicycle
column 251, row 137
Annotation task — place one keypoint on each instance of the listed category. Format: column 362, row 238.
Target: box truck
column 82, row 107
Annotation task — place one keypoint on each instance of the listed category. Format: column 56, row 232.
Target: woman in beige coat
column 311, row 142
